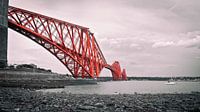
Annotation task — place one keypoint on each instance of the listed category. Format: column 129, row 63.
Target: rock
column 104, row 108
column 37, row 109
column 110, row 104
column 196, row 110
column 127, row 106
column 99, row 105
column 65, row 100
column 16, row 100
column 112, row 98
column 116, row 92
column 116, row 106
column 86, row 107
column 17, row 109
column 171, row 111
column 44, row 102
column 69, row 105
column 118, row 110
column 29, row 106
column 56, row 106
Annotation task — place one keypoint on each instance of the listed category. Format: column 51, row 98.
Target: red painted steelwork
column 75, row 46
column 124, row 77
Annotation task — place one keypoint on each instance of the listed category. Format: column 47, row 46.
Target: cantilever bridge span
column 73, row 45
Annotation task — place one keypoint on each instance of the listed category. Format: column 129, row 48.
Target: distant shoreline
column 154, row 78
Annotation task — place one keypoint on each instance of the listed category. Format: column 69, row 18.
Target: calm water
column 130, row 87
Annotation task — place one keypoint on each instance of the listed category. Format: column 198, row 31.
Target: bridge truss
column 73, row 45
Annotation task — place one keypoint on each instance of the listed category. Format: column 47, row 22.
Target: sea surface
column 130, row 87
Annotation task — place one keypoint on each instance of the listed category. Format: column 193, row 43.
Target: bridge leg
column 3, row 32
column 124, row 76
column 116, row 71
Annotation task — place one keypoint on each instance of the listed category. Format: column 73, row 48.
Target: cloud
column 163, row 44
column 136, row 46
column 189, row 40
column 195, row 42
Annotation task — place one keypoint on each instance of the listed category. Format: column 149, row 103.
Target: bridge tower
column 3, row 32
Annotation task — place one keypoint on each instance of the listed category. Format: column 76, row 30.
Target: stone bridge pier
column 3, row 32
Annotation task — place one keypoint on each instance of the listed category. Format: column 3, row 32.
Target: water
column 130, row 87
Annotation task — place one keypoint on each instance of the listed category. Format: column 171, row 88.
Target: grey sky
column 148, row 37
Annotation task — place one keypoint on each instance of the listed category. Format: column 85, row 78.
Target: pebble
column 99, row 105
column 86, row 107
column 17, row 109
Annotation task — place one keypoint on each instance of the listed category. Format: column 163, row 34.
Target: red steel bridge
column 73, row 45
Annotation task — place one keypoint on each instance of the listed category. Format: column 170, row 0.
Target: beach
column 30, row 100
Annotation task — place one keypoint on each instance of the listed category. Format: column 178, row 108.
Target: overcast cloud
column 148, row 37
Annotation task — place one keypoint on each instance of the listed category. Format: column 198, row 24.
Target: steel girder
column 75, row 46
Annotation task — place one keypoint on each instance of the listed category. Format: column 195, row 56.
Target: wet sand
column 26, row 100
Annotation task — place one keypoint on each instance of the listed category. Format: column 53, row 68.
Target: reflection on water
column 130, row 87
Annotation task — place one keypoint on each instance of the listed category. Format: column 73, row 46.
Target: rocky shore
column 26, row 100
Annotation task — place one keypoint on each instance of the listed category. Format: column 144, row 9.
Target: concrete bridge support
column 3, row 32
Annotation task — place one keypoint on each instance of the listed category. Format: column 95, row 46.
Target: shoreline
column 23, row 100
